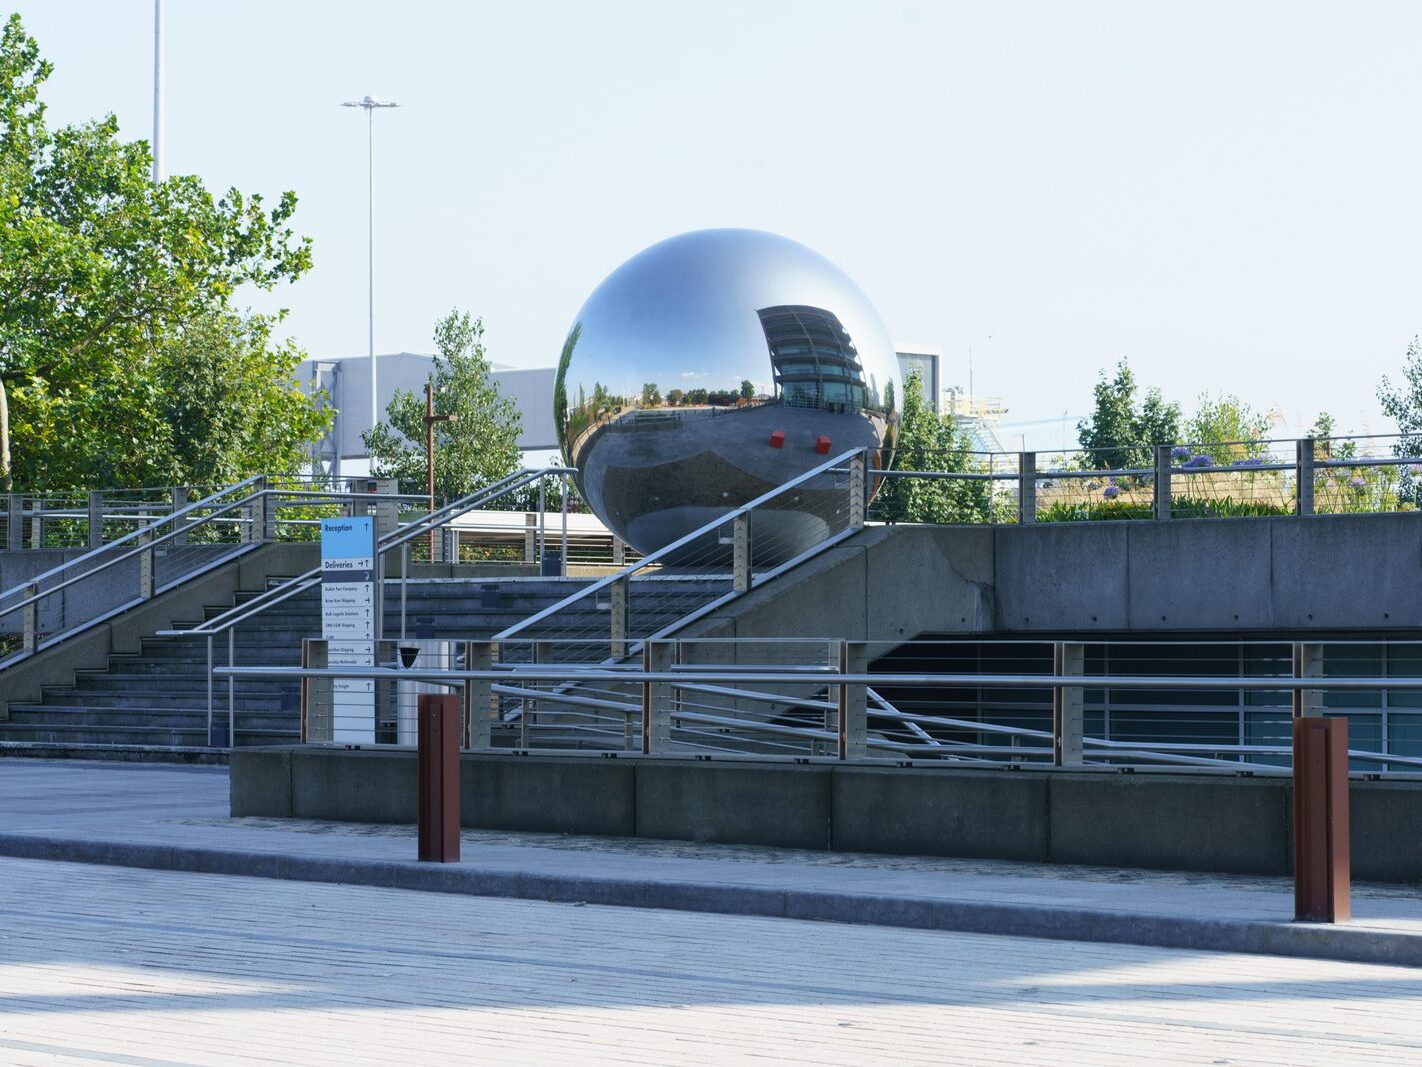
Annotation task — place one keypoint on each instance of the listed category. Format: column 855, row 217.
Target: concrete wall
column 1326, row 572
column 1163, row 821
column 24, row 681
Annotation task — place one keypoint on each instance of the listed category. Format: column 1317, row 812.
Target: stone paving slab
column 176, row 817
column 164, row 968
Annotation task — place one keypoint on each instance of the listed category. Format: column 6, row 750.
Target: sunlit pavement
column 105, row 964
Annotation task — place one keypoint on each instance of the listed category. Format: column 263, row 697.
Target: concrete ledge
column 786, row 805
column 1208, row 823
column 940, row 813
column 1230, row 825
column 1017, row 920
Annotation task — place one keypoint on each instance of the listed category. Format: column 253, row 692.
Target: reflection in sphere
column 709, row 369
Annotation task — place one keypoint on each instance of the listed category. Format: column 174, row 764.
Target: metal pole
column 370, row 252
column 542, row 521
column 157, row 90
column 429, row 458
column 404, row 583
column 209, row 689
column 231, row 697
column 563, row 569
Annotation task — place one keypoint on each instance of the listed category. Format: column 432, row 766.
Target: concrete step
column 199, row 754
column 61, row 734
column 192, row 717
column 275, row 703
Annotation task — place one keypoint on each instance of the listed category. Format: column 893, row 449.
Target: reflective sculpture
column 711, row 368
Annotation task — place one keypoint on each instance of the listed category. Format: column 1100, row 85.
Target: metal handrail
column 170, row 517
column 421, row 527
column 703, row 531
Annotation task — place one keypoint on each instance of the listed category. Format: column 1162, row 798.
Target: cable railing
column 816, row 699
column 157, row 557
column 735, row 552
column 434, row 525
column 1229, row 479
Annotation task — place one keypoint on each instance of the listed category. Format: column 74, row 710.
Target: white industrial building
column 346, row 381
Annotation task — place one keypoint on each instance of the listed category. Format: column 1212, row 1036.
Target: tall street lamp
column 369, row 104
column 430, row 419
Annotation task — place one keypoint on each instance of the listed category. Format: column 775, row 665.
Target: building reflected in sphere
column 711, row 368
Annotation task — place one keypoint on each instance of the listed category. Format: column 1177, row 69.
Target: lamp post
column 430, row 419
column 157, row 91
column 369, row 104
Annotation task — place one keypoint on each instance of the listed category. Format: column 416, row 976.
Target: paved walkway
column 158, row 816
column 114, row 965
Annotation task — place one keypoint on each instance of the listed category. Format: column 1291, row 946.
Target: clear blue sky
column 1226, row 193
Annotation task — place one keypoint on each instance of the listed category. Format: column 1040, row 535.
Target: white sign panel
column 350, row 622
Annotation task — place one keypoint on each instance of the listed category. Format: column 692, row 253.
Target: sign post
column 350, row 622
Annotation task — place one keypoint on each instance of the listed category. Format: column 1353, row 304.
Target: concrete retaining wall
column 1325, row 572
column 1177, row 822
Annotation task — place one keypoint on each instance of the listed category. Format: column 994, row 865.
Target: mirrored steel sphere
column 711, row 368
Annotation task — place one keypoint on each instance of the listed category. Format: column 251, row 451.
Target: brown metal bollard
column 1322, row 891
column 439, row 730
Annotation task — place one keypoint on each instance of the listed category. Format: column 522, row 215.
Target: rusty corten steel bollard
column 439, row 777
column 1322, row 878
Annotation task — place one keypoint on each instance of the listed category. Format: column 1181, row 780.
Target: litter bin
column 552, row 565
column 418, row 655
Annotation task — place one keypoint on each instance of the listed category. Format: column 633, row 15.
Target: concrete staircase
column 153, row 704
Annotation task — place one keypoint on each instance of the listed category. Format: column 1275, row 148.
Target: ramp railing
column 725, row 558
column 691, row 698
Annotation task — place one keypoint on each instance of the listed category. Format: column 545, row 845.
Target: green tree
column 104, row 275
column 1402, row 402
column 747, row 389
column 1120, row 432
column 478, row 446
column 928, row 441
column 1227, row 429
column 651, row 395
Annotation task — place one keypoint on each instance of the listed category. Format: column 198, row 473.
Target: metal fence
column 160, row 555
column 1231, row 479
column 1185, row 706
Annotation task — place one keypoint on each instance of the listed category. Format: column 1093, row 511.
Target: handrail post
column 480, row 707
column 617, row 626
column 1067, row 713
column 1163, row 461
column 657, row 697
column 563, row 567
column 30, row 625
column 858, row 485
column 231, row 688
column 147, row 571
column 1307, row 663
column 179, row 498
column 619, row 551
column 1303, row 472
column 37, row 522
column 542, row 522
column 270, row 508
column 741, row 553
column 1026, row 487
column 96, row 518
column 15, row 521
column 853, row 719
column 404, row 583
column 530, row 536
column 304, row 663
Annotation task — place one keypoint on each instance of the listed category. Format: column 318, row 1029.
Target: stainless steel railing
column 400, row 539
